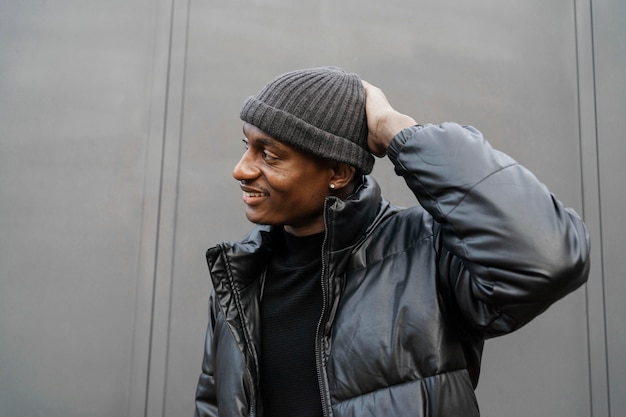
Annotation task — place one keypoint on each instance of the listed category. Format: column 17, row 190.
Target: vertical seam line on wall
column 599, row 201
column 159, row 207
column 598, row 173
column 582, row 191
column 176, row 194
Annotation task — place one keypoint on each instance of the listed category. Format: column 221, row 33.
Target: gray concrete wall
column 119, row 129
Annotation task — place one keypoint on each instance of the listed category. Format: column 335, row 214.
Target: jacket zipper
column 319, row 348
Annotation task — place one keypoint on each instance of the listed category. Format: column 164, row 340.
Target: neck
column 309, row 229
column 318, row 225
column 344, row 192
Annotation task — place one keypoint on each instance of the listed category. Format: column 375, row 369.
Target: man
column 340, row 304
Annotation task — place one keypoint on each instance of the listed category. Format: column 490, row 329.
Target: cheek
column 313, row 195
column 300, row 184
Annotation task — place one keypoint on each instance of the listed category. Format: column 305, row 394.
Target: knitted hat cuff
column 300, row 134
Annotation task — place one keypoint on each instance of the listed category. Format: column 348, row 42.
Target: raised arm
column 508, row 247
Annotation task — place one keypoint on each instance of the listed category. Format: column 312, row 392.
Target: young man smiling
column 338, row 303
column 286, row 186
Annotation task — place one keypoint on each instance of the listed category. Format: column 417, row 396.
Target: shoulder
column 398, row 230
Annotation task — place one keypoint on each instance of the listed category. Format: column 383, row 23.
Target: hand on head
column 383, row 121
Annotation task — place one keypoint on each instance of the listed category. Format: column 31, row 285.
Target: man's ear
column 342, row 176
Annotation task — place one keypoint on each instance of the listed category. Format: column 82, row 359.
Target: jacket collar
column 348, row 220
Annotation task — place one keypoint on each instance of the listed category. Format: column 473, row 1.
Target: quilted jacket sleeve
column 206, row 398
column 508, row 247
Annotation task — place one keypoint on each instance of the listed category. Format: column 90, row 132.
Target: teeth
column 254, row 194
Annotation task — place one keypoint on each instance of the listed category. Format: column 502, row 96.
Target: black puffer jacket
column 409, row 294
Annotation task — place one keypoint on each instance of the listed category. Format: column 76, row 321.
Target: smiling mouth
column 253, row 196
column 252, row 192
column 248, row 194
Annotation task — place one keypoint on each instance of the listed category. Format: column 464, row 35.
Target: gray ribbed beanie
column 320, row 110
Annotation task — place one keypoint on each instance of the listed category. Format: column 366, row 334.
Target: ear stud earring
column 332, row 186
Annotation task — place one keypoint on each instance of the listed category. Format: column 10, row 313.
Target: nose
column 245, row 168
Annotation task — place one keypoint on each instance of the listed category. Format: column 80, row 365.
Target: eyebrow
column 264, row 141
column 268, row 142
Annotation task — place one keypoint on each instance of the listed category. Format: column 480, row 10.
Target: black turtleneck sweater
column 290, row 310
